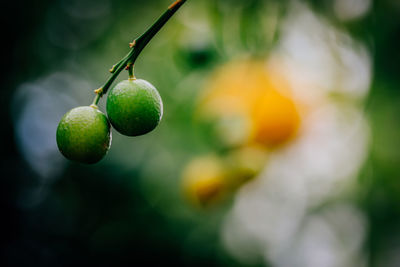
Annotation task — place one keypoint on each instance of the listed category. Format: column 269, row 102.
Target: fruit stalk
column 136, row 48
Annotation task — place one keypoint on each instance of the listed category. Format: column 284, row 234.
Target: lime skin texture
column 84, row 135
column 134, row 107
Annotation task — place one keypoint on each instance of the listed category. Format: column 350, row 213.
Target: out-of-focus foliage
column 278, row 146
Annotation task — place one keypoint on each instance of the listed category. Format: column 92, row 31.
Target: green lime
column 134, row 107
column 84, row 135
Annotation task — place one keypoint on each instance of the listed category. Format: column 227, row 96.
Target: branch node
column 112, row 69
column 129, row 65
column 99, row 91
column 174, row 4
column 132, row 45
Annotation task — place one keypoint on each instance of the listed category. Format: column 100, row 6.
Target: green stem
column 137, row 46
column 96, row 99
column 130, row 71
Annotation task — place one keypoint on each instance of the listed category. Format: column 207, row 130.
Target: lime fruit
column 134, row 107
column 84, row 135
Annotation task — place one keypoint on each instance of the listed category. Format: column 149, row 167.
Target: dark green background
column 130, row 231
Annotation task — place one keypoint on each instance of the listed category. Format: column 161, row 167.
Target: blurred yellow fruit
column 204, row 181
column 251, row 104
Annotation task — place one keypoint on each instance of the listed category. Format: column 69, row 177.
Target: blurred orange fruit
column 251, row 104
column 235, row 87
column 275, row 119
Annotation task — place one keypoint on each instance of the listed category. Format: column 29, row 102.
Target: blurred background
column 279, row 144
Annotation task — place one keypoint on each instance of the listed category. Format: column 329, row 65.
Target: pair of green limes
column 134, row 107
